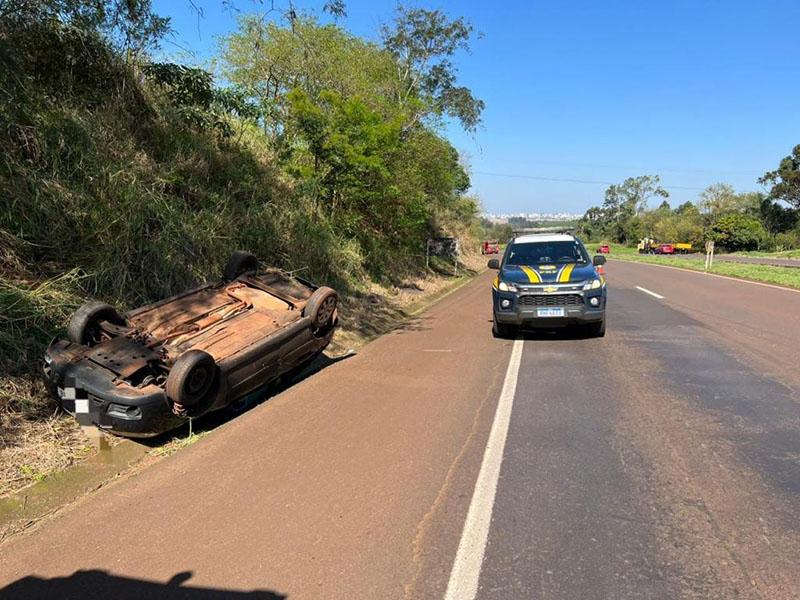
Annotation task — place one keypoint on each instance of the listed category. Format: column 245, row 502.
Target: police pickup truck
column 548, row 281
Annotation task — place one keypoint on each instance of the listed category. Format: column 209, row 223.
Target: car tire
column 193, row 379
column 239, row 263
column 502, row 330
column 597, row 329
column 84, row 326
column 321, row 308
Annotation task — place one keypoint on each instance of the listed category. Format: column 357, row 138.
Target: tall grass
column 105, row 192
column 31, row 313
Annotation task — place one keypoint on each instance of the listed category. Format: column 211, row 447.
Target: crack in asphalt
column 493, row 390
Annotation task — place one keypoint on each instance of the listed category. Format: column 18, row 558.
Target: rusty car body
column 151, row 369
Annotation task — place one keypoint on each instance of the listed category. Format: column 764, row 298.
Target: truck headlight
column 594, row 284
column 506, row 287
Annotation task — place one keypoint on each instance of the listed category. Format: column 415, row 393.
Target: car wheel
column 597, row 329
column 239, row 263
column 321, row 307
column 502, row 330
column 84, row 326
column 193, row 379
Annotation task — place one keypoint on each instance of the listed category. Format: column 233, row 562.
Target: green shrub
column 789, row 240
column 737, row 231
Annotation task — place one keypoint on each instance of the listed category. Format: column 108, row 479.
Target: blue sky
column 696, row 91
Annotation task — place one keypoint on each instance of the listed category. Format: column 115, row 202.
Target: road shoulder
column 46, row 496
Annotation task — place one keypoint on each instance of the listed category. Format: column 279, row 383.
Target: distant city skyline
column 532, row 216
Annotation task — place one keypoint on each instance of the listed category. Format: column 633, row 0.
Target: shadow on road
column 219, row 417
column 100, row 585
column 557, row 334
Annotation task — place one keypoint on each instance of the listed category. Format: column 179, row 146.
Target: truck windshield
column 536, row 253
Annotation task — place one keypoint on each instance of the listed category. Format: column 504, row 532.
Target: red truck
column 490, row 247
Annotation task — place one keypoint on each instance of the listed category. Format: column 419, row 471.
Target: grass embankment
column 786, row 276
column 109, row 192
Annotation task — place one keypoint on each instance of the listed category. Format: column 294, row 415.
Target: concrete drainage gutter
column 25, row 508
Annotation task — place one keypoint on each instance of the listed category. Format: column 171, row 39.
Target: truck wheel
column 192, row 379
column 239, row 263
column 502, row 330
column 84, row 326
column 321, row 307
column 597, row 329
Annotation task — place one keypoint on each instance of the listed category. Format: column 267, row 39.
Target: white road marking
column 717, row 275
column 437, row 349
column 464, row 577
column 653, row 294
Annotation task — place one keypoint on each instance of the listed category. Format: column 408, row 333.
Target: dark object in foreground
column 151, row 369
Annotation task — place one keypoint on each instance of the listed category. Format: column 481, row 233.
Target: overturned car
column 149, row 370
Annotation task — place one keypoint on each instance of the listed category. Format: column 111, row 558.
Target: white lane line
column 653, row 294
column 464, row 577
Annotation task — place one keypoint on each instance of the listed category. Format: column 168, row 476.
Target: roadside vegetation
column 127, row 180
column 750, row 221
column 763, row 224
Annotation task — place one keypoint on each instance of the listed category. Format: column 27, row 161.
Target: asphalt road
column 662, row 461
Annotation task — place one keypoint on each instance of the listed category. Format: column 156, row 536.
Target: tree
column 722, row 198
column 423, row 42
column 737, row 231
column 594, row 223
column 716, row 198
column 198, row 102
column 625, row 201
column 776, row 218
column 785, row 180
column 130, row 24
column 269, row 61
column 687, row 208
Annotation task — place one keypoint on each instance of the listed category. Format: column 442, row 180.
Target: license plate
column 549, row 312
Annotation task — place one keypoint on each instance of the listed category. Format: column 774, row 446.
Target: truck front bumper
column 527, row 310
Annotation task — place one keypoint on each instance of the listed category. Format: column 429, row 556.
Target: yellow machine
column 646, row 245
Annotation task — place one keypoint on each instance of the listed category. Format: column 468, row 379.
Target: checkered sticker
column 81, row 398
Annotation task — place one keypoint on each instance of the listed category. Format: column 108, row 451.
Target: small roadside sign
column 445, row 247
column 709, row 254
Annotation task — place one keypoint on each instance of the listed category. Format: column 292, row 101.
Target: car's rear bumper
column 146, row 412
column 118, row 408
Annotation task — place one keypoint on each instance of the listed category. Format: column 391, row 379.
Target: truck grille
column 552, row 300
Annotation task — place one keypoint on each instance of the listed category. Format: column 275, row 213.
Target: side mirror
column 598, row 260
column 494, row 264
